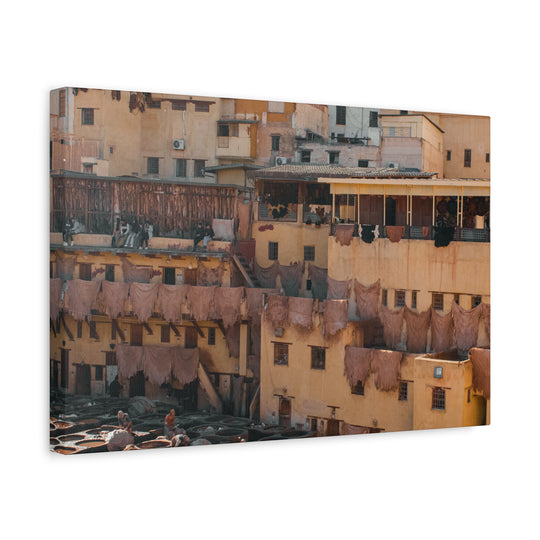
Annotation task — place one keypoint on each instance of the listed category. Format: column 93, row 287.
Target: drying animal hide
column 466, row 327
column 266, row 276
column 386, row 366
column 232, row 337
column 55, row 292
column 344, row 233
column 319, row 284
column 368, row 233
column 223, row 229
column 201, row 303
column 442, row 331
column 185, row 365
column 443, row 235
column 244, row 218
column 350, row 429
column 157, row 363
column 417, row 330
column 65, row 266
column 79, row 297
column 480, row 359
column 113, row 297
column 357, row 364
column 338, row 290
column 486, row 317
column 171, row 298
column 129, row 359
column 277, row 310
column 395, row 232
column 392, row 323
column 209, row 276
column 254, row 300
column 228, row 300
column 143, row 298
column 291, row 278
column 336, row 316
column 301, row 312
column 135, row 274
column 367, row 300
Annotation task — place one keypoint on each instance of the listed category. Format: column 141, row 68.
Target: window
column 467, row 159
column 363, row 163
column 318, row 357
column 88, row 168
column 154, row 104
column 468, row 395
column 115, row 94
column 110, row 358
column 191, row 337
column 333, row 157
column 275, row 143
column 403, row 389
column 475, row 301
column 273, row 251
column 136, row 334
column 384, row 299
column 392, row 131
column 62, row 103
column 313, row 424
column 181, row 167
column 85, row 271
column 152, row 165
column 414, row 299
column 178, row 105
column 456, row 299
column 487, row 157
column 341, row 115
column 169, row 276
column 308, row 284
column 198, row 168
column 223, row 130
column 449, row 155
column 437, row 372
column 165, row 334
column 438, row 398
column 437, row 301
column 281, row 354
column 403, row 112
column 87, row 117
column 109, row 272
column 373, row 119
column 93, row 330
column 309, row 253
column 111, row 149
column 358, row 389
column 211, row 336
column 99, row 373
column 305, row 156
column 399, row 298
column 202, row 106
column 79, row 329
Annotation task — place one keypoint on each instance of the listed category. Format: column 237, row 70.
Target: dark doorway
column 54, row 374
column 169, row 276
column 64, row 367
column 285, row 412
column 332, row 427
column 136, row 335
column 137, row 384
column 390, row 211
column 191, row 337
column 82, row 380
column 190, row 276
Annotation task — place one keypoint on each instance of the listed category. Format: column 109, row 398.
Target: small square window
column 305, row 156
column 487, row 157
column 318, row 357
column 154, row 104
column 438, row 398
column 373, row 119
column 437, row 301
column 468, row 395
column 437, row 372
column 333, row 158
column 456, row 299
column 169, row 276
column 414, row 299
column 93, row 330
column 449, row 155
column 475, row 301
column 109, row 272
column 115, row 94
column 275, row 143
column 79, row 329
column 313, row 424
column 181, row 168
column 198, row 170
column 211, row 336
column 358, row 389
column 165, row 334
column 341, row 115
column 363, row 163
column 223, row 130
column 281, row 354
column 99, row 373
column 403, row 112
column 399, row 298
column 403, row 391
column 273, row 251
column 178, row 105
column 152, row 165
column 308, row 285
column 309, row 253
column 202, row 106
column 384, row 298
column 87, row 117
column 467, row 158
column 85, row 271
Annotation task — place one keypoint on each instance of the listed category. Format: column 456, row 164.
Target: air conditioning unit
column 281, row 160
column 393, row 165
column 178, row 144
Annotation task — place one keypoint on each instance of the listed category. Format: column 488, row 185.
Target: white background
column 469, row 57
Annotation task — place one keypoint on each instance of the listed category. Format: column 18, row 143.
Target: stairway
column 246, row 271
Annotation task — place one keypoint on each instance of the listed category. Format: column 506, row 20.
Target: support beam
column 52, row 327
column 68, row 331
column 148, row 329
column 221, row 327
column 174, row 329
column 240, row 267
column 118, row 330
column 208, row 387
column 198, row 328
column 242, row 365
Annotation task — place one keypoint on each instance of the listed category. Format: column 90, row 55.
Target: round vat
column 61, row 449
column 88, row 423
column 62, row 426
column 155, row 443
column 256, row 434
column 53, row 441
column 71, row 438
column 92, row 445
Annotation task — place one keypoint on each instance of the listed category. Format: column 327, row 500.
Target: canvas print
column 232, row 270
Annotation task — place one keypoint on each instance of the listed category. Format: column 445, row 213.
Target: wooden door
column 191, row 337
column 332, row 427
column 284, row 412
column 83, row 380
column 190, row 276
column 136, row 334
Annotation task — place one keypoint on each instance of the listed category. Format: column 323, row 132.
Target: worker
column 115, row 387
column 123, row 421
column 170, row 428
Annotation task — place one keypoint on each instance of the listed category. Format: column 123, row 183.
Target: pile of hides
column 350, row 429
column 367, row 300
column 55, row 293
column 442, row 331
column 228, row 300
column 118, row 439
column 357, row 364
column 209, row 276
column 277, row 311
column 135, row 274
column 223, row 229
column 65, row 266
column 466, row 327
column 335, row 316
column 113, row 297
column 395, row 232
column 140, row 405
column 392, row 322
column 443, row 235
column 368, row 233
column 266, row 276
column 344, row 233
column 301, row 313
column 171, row 298
column 201, row 303
column 385, row 366
column 338, row 290
column 480, row 359
column 232, row 337
column 79, row 297
column 291, row 278
column 417, row 330
column 319, row 285
column 143, row 298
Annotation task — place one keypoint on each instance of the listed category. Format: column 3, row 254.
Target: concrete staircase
column 243, row 265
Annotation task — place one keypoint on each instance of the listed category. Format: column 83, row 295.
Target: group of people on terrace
column 132, row 234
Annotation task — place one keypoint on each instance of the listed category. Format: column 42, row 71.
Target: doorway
column 285, row 412
column 137, row 384
column 64, row 368
column 332, row 427
column 83, row 379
